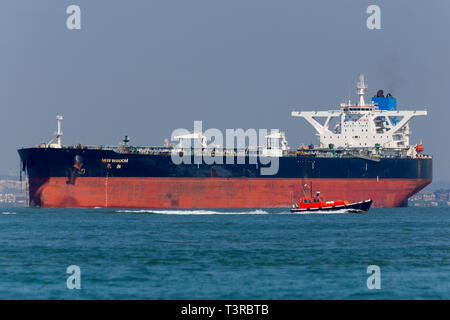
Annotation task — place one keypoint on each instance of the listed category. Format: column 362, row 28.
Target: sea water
column 223, row 254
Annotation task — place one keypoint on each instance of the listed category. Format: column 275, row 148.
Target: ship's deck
column 364, row 153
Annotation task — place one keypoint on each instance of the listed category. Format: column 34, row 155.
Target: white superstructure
column 275, row 145
column 361, row 125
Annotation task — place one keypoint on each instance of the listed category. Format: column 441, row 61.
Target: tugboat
column 317, row 204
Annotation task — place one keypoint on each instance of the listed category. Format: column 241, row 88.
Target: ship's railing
column 364, row 153
column 158, row 150
column 129, row 149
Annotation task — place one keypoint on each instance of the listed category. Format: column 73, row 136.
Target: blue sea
column 223, row 254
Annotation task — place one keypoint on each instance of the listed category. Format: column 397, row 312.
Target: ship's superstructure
column 363, row 125
column 364, row 152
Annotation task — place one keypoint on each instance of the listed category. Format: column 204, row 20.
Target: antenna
column 303, row 190
column 348, row 91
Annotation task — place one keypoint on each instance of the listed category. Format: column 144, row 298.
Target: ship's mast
column 361, row 89
column 58, row 133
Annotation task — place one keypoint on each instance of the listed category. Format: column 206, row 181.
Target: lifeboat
column 319, row 205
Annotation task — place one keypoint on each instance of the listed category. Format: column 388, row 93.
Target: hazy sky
column 144, row 68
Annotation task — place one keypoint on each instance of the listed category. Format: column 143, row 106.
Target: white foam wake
column 194, row 212
column 8, row 212
column 342, row 211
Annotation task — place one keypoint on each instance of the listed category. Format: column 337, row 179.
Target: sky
column 146, row 67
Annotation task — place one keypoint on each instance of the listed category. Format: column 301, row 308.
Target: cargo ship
column 363, row 153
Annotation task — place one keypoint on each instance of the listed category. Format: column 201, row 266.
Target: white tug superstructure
column 362, row 125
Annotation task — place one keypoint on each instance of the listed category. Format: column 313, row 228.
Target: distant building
column 437, row 198
column 417, row 196
column 442, row 195
column 12, row 192
column 429, row 196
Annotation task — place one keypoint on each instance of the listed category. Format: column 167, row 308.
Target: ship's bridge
column 352, row 109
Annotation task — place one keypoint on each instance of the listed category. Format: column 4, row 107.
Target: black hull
column 43, row 162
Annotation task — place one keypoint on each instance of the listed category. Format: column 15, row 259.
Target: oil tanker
column 363, row 153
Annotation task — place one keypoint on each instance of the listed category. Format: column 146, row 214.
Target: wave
column 193, row 212
column 8, row 212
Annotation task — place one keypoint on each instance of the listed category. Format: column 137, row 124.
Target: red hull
column 212, row 192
